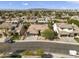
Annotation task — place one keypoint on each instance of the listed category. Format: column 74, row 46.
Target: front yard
column 77, row 39
column 16, row 37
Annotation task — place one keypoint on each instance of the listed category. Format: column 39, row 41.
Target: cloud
column 76, row 2
column 25, row 4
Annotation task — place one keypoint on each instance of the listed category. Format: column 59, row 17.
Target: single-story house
column 35, row 28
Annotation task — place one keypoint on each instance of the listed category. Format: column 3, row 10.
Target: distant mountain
column 36, row 9
column 33, row 9
column 39, row 9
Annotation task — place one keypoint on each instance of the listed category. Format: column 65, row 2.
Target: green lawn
column 16, row 37
column 77, row 39
column 37, row 52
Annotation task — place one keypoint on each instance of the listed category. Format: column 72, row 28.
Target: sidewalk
column 2, row 39
column 58, row 55
column 68, row 39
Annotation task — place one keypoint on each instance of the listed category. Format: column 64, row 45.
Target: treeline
column 37, row 13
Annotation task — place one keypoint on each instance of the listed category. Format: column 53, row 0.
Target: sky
column 39, row 4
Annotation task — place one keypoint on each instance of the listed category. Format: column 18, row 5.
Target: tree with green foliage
column 50, row 23
column 56, row 21
column 76, row 22
column 26, row 25
column 16, row 36
column 36, row 22
column 48, row 34
column 58, row 15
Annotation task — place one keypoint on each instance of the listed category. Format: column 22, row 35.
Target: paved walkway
column 59, row 55
column 62, row 39
column 68, row 39
column 34, row 38
column 2, row 39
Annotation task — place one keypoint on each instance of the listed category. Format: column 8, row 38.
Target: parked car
column 47, row 56
column 8, row 40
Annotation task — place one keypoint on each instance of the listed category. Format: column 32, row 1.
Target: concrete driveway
column 68, row 39
column 34, row 38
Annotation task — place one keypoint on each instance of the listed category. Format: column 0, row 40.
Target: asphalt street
column 46, row 46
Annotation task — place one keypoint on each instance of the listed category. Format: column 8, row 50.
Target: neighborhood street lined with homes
column 34, row 32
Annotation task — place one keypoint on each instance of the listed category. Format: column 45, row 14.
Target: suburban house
column 52, row 17
column 65, row 16
column 5, row 26
column 61, row 20
column 30, row 20
column 5, row 29
column 35, row 29
column 1, row 20
column 42, row 20
column 66, row 30
column 24, row 18
column 75, row 17
column 14, row 22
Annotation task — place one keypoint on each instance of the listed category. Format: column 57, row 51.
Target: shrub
column 48, row 34
column 73, row 21
column 28, row 53
column 39, row 52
